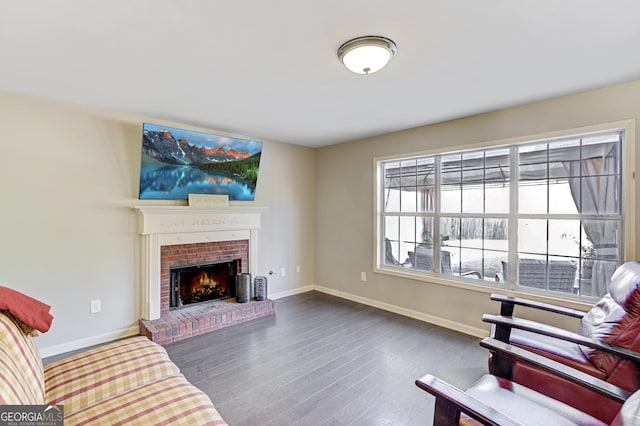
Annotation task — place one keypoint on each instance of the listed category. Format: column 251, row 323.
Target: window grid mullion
column 512, row 262
column 437, row 214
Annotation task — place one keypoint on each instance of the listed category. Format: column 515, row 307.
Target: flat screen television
column 177, row 162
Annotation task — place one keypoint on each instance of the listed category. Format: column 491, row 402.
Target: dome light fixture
column 368, row 54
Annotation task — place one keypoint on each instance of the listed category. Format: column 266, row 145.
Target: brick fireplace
column 177, row 236
column 197, row 254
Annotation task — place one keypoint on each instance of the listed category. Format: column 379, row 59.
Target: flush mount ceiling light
column 368, row 54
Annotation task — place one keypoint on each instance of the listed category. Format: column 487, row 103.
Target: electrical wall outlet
column 96, row 306
column 363, row 276
column 298, row 268
column 283, row 271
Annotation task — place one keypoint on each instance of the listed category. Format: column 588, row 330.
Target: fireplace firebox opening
column 201, row 283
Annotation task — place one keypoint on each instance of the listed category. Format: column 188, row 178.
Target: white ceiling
column 268, row 70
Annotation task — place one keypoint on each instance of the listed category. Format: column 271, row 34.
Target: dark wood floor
column 322, row 360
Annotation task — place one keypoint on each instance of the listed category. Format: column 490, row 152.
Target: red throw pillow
column 27, row 309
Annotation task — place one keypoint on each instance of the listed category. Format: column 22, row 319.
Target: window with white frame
column 544, row 215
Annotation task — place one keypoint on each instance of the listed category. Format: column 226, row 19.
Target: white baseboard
column 89, row 341
column 293, row 292
column 431, row 319
column 134, row 330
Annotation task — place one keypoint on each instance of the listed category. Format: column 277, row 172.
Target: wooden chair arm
column 550, row 366
column 508, row 303
column 451, row 401
column 558, row 333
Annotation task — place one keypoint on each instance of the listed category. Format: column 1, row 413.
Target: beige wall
column 345, row 194
column 69, row 178
column 68, row 234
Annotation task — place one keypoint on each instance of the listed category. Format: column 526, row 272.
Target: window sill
column 488, row 287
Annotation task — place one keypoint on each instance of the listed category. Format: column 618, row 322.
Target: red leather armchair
column 497, row 400
column 603, row 347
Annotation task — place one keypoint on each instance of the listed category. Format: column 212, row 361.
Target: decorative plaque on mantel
column 208, row 200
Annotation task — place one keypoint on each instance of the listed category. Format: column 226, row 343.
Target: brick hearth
column 202, row 318
column 179, row 324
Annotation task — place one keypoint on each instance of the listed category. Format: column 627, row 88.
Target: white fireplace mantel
column 172, row 219
column 170, row 225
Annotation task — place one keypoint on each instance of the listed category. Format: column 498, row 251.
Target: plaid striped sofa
column 131, row 381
